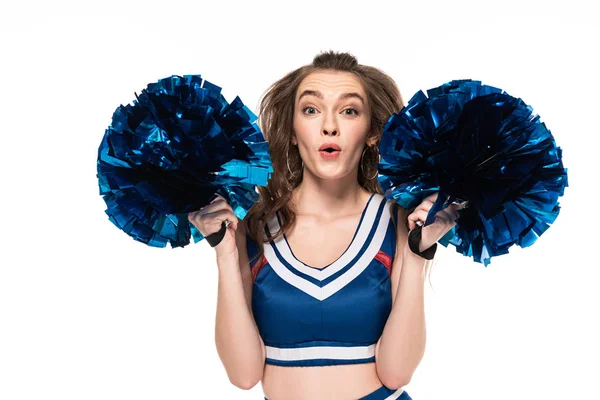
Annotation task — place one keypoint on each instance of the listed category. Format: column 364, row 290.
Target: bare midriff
column 350, row 382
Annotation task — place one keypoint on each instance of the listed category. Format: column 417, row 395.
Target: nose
column 330, row 126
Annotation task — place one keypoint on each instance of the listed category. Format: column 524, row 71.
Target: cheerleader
column 320, row 295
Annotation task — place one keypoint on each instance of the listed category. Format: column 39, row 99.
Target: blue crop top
column 325, row 316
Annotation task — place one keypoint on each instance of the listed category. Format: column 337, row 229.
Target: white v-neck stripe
column 321, row 293
column 359, row 241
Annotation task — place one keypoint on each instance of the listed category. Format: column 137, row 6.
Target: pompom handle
column 215, row 238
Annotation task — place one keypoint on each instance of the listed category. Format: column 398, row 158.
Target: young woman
column 319, row 295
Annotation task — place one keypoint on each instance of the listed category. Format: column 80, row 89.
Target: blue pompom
column 171, row 152
column 475, row 143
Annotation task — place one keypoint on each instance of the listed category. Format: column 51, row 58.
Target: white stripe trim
column 395, row 395
column 334, row 286
column 358, row 242
column 317, row 352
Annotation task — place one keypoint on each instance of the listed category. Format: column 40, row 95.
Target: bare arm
column 402, row 344
column 238, row 341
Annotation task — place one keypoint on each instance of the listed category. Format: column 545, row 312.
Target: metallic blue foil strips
column 472, row 142
column 171, row 152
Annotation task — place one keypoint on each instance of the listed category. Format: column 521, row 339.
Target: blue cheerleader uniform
column 333, row 315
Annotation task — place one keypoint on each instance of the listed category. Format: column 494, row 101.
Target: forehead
column 331, row 83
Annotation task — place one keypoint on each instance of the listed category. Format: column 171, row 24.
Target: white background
column 88, row 313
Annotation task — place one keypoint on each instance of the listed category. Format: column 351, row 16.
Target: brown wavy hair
column 275, row 119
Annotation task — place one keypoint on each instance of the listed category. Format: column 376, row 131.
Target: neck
column 328, row 197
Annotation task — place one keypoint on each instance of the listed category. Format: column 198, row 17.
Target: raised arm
column 402, row 344
column 238, row 341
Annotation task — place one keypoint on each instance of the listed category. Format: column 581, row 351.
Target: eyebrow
column 342, row 97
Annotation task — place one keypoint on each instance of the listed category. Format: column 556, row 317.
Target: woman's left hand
column 444, row 221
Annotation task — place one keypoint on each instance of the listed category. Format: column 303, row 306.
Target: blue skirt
column 384, row 393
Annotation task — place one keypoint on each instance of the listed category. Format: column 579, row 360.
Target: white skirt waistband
column 316, row 352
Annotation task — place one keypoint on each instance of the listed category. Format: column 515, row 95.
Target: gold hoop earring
column 363, row 169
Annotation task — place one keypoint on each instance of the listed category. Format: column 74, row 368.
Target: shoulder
column 399, row 213
column 240, row 233
column 241, row 239
column 247, row 247
column 401, row 217
column 398, row 217
column 395, row 210
column 245, row 244
column 401, row 239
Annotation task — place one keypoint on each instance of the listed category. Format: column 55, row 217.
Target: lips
column 329, row 147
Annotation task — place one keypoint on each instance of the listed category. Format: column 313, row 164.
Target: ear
column 371, row 141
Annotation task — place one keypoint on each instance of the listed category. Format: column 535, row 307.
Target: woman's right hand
column 208, row 221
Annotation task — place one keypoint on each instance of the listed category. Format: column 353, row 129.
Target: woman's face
column 331, row 107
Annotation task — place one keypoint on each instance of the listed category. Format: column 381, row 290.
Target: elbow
column 244, row 384
column 246, row 379
column 395, row 380
column 395, row 383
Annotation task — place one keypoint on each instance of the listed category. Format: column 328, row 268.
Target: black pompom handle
column 215, row 238
column 414, row 239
